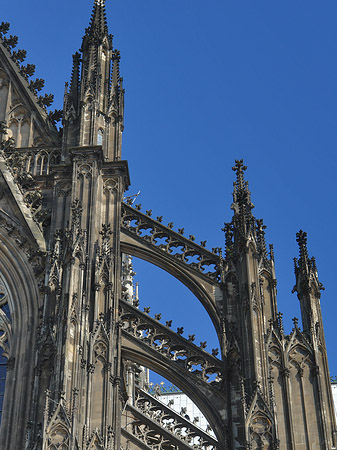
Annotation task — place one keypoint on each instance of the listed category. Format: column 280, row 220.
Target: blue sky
column 208, row 83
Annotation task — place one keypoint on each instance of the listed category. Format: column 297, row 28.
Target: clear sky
column 207, row 83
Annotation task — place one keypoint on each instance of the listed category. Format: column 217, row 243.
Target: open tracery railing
column 159, row 427
column 174, row 244
column 171, row 345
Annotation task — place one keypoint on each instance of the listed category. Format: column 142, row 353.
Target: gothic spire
column 305, row 267
column 98, row 27
column 94, row 105
column 75, row 77
column 243, row 218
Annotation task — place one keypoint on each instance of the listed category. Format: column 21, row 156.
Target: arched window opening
column 41, row 167
column 38, row 164
column 55, row 158
column 44, row 165
column 29, row 162
column 100, row 137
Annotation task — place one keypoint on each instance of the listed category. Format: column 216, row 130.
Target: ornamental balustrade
column 33, row 161
column 175, row 423
column 171, row 345
column 160, row 428
column 175, row 245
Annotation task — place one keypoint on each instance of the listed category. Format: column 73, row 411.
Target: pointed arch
column 17, row 277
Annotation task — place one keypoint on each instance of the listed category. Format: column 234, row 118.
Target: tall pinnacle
column 241, row 194
column 305, row 267
column 98, row 26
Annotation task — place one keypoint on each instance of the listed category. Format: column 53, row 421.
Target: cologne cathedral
column 76, row 346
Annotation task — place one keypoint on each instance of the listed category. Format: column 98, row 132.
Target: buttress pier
column 75, row 346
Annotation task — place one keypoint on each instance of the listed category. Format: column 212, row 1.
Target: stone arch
column 19, row 280
column 211, row 405
column 199, row 289
column 58, row 438
column 55, row 157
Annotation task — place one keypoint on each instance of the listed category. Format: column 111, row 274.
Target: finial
column 295, row 322
column 241, row 193
column 305, row 267
column 301, row 238
column 260, row 227
column 243, row 220
column 239, row 168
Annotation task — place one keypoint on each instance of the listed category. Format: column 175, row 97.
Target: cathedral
column 75, row 346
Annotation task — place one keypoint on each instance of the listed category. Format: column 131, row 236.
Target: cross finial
column 301, row 238
column 239, row 168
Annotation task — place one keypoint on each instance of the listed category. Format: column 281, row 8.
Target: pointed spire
column 116, row 57
column 96, row 85
column 75, row 77
column 305, row 267
column 244, row 221
column 98, row 27
column 115, row 81
column 308, row 288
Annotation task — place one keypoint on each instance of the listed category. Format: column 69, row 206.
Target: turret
column 94, row 104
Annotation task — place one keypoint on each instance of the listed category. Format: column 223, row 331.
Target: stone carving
column 171, row 345
column 148, row 411
column 173, row 244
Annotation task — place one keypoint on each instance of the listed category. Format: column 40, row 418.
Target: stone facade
column 73, row 336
